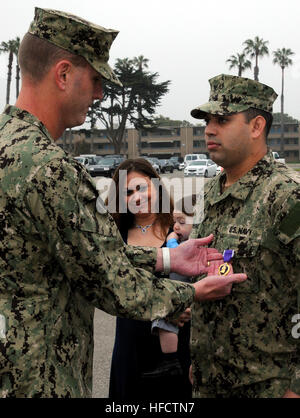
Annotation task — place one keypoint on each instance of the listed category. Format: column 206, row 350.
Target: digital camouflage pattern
column 77, row 36
column 60, row 258
column 242, row 346
column 232, row 94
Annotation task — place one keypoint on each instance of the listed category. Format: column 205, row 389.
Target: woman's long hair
column 125, row 221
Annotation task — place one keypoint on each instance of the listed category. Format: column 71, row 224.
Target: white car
column 194, row 157
column 277, row 158
column 205, row 168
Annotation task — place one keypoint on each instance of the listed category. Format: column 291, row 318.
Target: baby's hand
column 173, row 235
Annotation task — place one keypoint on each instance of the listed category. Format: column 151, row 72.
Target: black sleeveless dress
column 137, row 351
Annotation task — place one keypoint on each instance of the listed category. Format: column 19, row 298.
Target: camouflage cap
column 232, row 94
column 77, row 36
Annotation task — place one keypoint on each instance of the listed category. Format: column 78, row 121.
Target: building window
column 291, row 141
column 199, row 131
column 275, row 129
column 105, row 146
column 161, row 145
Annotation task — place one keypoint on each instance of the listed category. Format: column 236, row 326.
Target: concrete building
column 166, row 142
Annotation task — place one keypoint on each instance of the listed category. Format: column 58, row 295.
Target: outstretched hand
column 191, row 257
column 216, row 287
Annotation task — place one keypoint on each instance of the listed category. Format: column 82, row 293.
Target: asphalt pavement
column 104, row 332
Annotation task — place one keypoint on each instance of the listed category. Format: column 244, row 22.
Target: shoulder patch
column 291, row 222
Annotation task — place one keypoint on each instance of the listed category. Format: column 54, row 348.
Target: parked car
column 153, row 163
column 86, row 161
column 92, row 168
column 158, row 162
column 190, row 158
column 181, row 166
column 277, row 158
column 118, row 157
column 105, row 167
column 206, row 168
column 166, row 165
column 194, row 157
column 88, row 155
column 175, row 161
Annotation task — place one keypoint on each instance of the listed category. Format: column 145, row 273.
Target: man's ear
column 258, row 125
column 62, row 72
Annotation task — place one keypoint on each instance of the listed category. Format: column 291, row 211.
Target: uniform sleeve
column 142, row 257
column 289, row 234
column 62, row 201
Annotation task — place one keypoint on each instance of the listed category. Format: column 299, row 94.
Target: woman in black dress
column 136, row 350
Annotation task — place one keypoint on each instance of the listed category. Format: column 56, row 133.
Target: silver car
column 205, row 168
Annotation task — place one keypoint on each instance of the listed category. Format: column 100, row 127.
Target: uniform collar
column 27, row 117
column 241, row 189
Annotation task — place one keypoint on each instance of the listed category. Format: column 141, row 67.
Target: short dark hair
column 252, row 113
column 36, row 56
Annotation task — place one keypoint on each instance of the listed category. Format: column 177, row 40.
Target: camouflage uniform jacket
column 246, row 338
column 60, row 258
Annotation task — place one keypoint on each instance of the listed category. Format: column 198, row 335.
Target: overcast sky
column 187, row 42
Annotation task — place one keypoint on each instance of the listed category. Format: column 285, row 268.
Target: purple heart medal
column 224, row 269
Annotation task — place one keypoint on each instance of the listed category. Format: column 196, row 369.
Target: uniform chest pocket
column 245, row 260
column 93, row 216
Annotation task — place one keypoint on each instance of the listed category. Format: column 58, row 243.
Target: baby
column 167, row 331
column 183, row 216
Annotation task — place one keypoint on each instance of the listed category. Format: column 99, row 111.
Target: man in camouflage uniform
column 59, row 257
column 243, row 345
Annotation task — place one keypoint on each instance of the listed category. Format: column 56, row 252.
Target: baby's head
column 183, row 217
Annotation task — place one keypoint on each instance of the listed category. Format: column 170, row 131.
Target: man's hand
column 216, row 287
column 191, row 257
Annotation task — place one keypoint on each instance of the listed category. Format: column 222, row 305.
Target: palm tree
column 11, row 47
column 140, row 63
column 282, row 58
column 239, row 61
column 16, row 51
column 256, row 48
